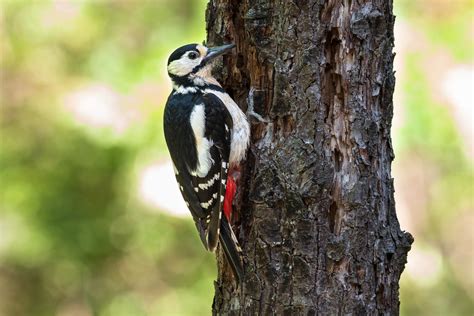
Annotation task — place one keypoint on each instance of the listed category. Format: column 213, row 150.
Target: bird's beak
column 214, row 52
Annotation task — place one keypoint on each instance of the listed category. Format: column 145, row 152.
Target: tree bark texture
column 317, row 213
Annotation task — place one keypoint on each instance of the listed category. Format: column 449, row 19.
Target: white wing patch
column 203, row 145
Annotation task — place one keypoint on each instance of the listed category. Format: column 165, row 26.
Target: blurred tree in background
column 83, row 85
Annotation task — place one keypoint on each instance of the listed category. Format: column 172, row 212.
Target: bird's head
column 193, row 62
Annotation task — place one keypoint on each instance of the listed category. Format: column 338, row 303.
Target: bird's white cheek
column 182, row 67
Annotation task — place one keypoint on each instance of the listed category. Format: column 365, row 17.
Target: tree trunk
column 317, row 213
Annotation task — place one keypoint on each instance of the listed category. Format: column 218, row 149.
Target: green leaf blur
column 76, row 240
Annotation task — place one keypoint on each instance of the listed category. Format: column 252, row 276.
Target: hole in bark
column 337, row 159
column 389, row 256
column 240, row 61
column 332, row 216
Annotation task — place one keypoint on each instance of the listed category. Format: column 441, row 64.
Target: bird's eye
column 193, row 55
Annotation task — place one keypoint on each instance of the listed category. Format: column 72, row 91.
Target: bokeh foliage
column 434, row 163
column 75, row 240
column 75, row 237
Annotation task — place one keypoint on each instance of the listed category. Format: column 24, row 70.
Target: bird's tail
column 232, row 250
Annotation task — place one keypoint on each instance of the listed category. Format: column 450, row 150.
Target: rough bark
column 317, row 213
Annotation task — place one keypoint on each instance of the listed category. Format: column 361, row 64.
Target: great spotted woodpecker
column 207, row 136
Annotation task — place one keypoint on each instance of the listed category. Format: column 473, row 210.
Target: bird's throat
column 204, row 77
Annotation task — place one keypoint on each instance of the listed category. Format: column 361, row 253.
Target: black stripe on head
column 187, row 82
column 181, row 81
column 179, row 52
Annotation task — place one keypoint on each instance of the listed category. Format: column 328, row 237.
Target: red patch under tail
column 229, row 196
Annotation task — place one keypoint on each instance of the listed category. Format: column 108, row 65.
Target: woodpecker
column 207, row 135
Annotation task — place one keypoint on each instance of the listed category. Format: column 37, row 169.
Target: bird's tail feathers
column 232, row 250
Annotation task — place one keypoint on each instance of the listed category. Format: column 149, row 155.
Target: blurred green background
column 83, row 230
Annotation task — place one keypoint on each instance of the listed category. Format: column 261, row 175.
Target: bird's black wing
column 182, row 147
column 203, row 194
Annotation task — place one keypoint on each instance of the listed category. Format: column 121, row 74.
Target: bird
column 207, row 136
